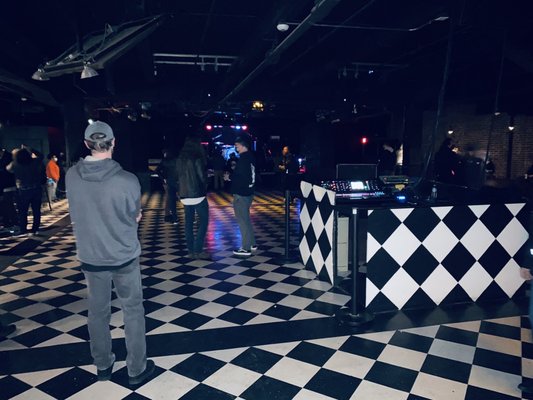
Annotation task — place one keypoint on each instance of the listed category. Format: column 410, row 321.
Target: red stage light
column 208, row 127
column 364, row 140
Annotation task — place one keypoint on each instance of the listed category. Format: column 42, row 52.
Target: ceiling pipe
column 318, row 12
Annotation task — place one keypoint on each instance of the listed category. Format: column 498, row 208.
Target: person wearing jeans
column 242, row 187
column 192, row 179
column 105, row 209
column 29, row 176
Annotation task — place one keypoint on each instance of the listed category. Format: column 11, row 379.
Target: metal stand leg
column 355, row 315
column 287, row 258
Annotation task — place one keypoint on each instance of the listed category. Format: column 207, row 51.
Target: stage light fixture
column 88, row 72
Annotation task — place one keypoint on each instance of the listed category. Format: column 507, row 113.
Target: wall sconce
column 450, row 131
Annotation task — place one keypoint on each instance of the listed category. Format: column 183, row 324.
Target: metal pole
column 355, row 261
column 287, row 221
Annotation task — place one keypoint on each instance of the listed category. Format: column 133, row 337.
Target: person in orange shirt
column 52, row 175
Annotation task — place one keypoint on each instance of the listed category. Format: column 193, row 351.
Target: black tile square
column 62, row 300
column 381, row 267
column 458, row 261
column 494, row 259
column 191, row 320
column 40, row 279
column 411, row 341
column 202, row 391
column 18, row 270
column 16, row 304
column 152, row 324
column 225, row 287
column 296, row 281
column 30, row 290
column 333, row 384
column 51, row 270
column 73, row 287
column 185, row 278
column 151, row 281
column 446, row 368
column 476, row 393
column 392, row 376
column 266, row 388
column 420, row 265
column 507, row 331
column 421, row 222
column 237, row 316
column 148, row 292
column 457, row 335
column 459, row 220
column 81, row 332
column 261, row 283
column 68, row 383
column 281, row 312
column 324, row 308
column 270, row 296
column 51, row 316
column 496, row 218
column 285, row 270
column 11, row 387
column 189, row 303
column 219, row 275
column 308, row 293
column 187, row 290
column 256, row 273
column 498, row 361
column 256, row 360
column 198, row 367
column 231, row 300
column 381, row 224
column 362, row 347
column 36, row 336
column 311, row 353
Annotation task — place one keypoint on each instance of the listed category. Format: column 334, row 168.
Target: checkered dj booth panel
column 316, row 220
column 422, row 257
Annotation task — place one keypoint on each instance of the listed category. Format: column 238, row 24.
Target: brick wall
column 472, row 129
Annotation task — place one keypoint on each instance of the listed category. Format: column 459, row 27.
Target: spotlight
column 88, row 72
column 511, row 123
column 39, row 75
column 282, row 27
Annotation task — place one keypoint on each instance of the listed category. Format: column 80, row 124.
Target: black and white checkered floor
column 229, row 328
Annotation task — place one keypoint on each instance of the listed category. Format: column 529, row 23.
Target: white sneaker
column 254, row 247
column 242, row 253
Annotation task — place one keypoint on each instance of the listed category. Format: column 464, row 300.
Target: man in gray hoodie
column 105, row 209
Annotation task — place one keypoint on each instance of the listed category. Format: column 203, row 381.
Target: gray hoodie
column 104, row 202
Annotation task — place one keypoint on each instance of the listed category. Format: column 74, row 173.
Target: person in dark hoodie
column 242, row 187
column 192, row 178
column 28, row 168
column 105, row 209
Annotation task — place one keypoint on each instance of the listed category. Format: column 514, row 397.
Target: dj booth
column 411, row 252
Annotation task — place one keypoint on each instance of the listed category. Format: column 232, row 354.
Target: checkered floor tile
column 232, row 328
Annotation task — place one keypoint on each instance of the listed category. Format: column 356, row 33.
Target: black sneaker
column 105, row 374
column 254, row 247
column 143, row 376
column 242, row 253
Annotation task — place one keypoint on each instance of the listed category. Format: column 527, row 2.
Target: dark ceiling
column 345, row 56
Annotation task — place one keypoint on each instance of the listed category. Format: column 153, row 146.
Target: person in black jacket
column 28, row 168
column 242, row 187
column 168, row 171
column 192, row 179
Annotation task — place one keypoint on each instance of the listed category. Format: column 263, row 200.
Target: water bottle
column 433, row 196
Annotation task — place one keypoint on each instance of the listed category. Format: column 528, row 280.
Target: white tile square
column 292, row 371
column 349, row 364
column 452, row 350
column 437, row 388
column 167, row 386
column 232, row 379
column 439, row 284
column 402, row 357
